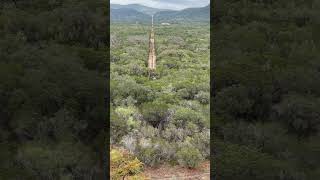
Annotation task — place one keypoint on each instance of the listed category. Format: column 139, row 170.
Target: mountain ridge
column 201, row 14
column 138, row 7
column 139, row 13
column 128, row 15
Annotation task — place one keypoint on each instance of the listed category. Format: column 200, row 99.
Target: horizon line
column 161, row 8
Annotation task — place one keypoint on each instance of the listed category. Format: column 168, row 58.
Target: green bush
column 189, row 156
column 149, row 155
column 154, row 112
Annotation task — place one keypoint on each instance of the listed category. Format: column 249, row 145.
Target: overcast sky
column 165, row 4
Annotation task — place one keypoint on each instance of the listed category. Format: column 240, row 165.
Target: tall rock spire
column 152, row 21
column 152, row 53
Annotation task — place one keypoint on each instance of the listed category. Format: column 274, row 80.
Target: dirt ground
column 166, row 172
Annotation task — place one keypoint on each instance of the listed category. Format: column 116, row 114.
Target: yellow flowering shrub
column 125, row 166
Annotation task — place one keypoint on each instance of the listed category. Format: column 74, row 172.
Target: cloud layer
column 165, row 4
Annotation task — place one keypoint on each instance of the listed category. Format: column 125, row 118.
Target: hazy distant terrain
column 140, row 8
column 128, row 15
column 138, row 13
column 190, row 14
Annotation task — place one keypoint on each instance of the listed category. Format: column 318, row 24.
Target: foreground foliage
column 124, row 165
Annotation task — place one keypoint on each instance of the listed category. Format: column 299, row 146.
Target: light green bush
column 189, row 156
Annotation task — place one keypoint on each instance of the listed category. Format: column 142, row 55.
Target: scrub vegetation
column 164, row 120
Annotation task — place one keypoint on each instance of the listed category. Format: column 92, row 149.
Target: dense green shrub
column 155, row 113
column 189, row 156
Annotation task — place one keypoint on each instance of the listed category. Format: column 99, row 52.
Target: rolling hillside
column 137, row 13
column 128, row 15
column 190, row 14
column 140, row 8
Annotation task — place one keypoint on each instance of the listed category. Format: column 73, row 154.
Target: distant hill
column 140, row 8
column 128, row 15
column 190, row 14
column 137, row 13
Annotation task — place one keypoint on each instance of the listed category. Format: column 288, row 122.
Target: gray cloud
column 184, row 1
column 167, row 4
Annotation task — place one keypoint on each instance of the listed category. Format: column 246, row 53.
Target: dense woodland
column 266, row 91
column 163, row 120
column 52, row 88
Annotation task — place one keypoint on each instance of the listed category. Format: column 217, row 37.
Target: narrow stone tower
column 152, row 53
